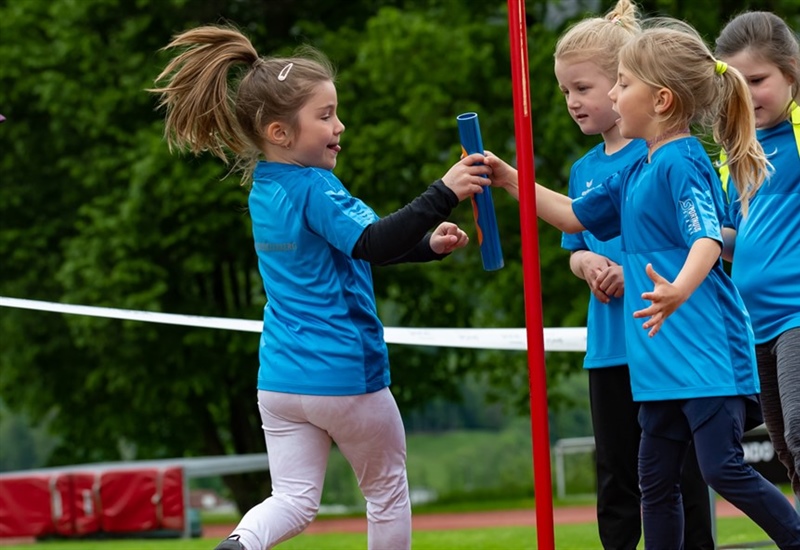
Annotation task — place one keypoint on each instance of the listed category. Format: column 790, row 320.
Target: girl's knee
column 726, row 477
column 307, row 509
column 389, row 499
column 303, row 508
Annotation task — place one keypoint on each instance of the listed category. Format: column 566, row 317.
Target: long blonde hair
column 204, row 112
column 705, row 92
column 599, row 39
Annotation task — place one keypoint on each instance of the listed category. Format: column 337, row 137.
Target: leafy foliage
column 94, row 209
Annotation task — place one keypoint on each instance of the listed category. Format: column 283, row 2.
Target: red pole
column 523, row 130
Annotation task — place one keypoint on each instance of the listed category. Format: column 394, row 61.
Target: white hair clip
column 285, row 72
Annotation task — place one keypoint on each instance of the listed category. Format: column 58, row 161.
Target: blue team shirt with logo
column 766, row 261
column 605, row 328
column 322, row 335
column 660, row 208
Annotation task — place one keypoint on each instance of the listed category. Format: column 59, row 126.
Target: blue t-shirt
column 322, row 335
column 766, row 261
column 605, row 328
column 661, row 207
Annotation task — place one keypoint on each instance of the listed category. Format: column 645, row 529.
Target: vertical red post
column 523, row 131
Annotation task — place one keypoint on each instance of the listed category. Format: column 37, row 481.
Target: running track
column 440, row 522
column 466, row 520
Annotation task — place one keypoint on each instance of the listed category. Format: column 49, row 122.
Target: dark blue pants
column 716, row 426
column 615, row 419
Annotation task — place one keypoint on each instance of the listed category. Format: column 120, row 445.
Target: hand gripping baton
column 482, row 205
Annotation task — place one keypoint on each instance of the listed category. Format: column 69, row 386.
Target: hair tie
column 616, row 20
column 721, row 67
column 285, row 72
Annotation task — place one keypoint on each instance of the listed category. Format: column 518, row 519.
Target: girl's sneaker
column 231, row 543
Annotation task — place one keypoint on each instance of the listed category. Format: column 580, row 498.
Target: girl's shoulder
column 783, row 134
column 683, row 162
column 294, row 175
column 630, row 153
column 681, row 152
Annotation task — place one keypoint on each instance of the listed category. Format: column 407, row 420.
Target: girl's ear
column 278, row 133
column 790, row 77
column 663, row 100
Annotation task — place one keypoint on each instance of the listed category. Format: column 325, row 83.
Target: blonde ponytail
column 735, row 130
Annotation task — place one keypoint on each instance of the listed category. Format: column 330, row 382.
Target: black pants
column 617, row 434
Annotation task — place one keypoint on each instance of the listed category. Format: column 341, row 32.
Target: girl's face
column 635, row 102
column 770, row 89
column 316, row 141
column 585, row 87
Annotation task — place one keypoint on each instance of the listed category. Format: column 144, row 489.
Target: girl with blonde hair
column 688, row 334
column 586, row 59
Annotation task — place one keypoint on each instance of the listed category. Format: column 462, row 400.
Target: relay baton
column 482, row 205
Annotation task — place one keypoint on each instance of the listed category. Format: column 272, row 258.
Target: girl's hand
column 503, row 174
column 466, row 177
column 589, row 266
column 448, row 237
column 610, row 281
column 665, row 298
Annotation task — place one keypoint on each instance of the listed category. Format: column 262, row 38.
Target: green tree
column 94, row 210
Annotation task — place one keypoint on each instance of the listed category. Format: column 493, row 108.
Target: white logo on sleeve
column 690, row 217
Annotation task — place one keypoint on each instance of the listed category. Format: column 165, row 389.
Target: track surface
column 440, row 522
column 467, row 520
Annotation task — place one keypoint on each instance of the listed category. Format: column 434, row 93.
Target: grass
column 730, row 531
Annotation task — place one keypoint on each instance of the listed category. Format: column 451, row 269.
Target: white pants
column 299, row 429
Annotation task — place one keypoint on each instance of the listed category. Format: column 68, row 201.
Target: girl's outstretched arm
column 556, row 209
column 503, row 174
column 551, row 206
column 666, row 297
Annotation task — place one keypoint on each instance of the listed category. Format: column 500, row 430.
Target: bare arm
column 578, row 263
column 551, row 206
column 556, row 209
column 666, row 297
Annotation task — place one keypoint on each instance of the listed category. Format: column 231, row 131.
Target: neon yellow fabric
column 724, row 172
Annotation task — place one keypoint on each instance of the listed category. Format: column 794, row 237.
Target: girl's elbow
column 573, row 226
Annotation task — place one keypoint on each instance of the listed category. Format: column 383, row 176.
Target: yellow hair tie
column 721, row 67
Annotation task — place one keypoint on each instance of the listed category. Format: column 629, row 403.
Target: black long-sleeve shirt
column 403, row 235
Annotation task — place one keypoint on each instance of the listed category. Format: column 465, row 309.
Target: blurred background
column 94, row 210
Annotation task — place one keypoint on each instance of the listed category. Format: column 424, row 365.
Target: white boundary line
column 555, row 339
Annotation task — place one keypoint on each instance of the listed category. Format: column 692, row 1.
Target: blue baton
column 482, row 205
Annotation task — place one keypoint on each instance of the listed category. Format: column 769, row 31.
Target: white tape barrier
column 555, row 339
